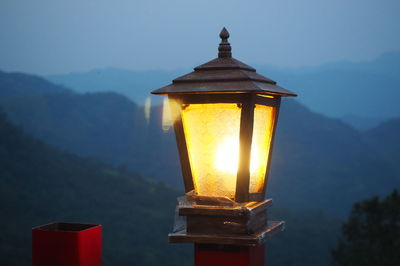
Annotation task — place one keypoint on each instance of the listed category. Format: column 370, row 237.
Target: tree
column 371, row 236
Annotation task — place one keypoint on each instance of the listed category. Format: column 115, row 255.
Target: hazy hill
column 40, row 184
column 133, row 84
column 387, row 64
column 318, row 162
column 386, row 140
column 340, row 93
column 103, row 125
column 323, row 163
column 362, row 123
column 18, row 84
column 362, row 94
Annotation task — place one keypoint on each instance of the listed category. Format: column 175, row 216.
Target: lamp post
column 225, row 119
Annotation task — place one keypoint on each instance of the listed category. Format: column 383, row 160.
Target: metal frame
column 247, row 101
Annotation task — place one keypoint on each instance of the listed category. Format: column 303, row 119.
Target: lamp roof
column 224, row 74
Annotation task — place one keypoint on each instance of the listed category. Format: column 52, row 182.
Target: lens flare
column 147, row 109
column 171, row 111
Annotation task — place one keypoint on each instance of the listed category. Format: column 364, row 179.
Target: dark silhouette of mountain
column 107, row 126
column 324, row 163
column 318, row 162
column 40, row 184
column 362, row 123
column 18, row 84
column 338, row 93
column 385, row 138
column 362, row 94
column 387, row 64
column 366, row 90
column 133, row 84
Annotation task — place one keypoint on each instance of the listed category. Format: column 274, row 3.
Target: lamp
column 225, row 115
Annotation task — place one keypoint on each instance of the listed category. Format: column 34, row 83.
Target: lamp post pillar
column 217, row 255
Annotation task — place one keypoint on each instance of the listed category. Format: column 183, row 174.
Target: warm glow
column 265, row 96
column 212, row 137
column 227, row 155
column 262, row 134
column 210, row 130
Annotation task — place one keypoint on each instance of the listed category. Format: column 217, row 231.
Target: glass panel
column 212, row 138
column 264, row 117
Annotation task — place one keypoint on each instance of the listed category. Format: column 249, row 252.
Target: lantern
column 225, row 115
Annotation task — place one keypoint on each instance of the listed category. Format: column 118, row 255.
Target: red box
column 66, row 244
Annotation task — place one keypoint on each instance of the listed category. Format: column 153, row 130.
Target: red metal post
column 67, row 244
column 220, row 255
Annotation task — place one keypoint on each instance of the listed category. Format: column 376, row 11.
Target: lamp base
column 238, row 219
column 240, row 240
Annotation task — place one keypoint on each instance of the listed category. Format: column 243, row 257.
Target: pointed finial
column 224, row 34
column 224, row 49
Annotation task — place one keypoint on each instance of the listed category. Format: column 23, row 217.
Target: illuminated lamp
column 225, row 116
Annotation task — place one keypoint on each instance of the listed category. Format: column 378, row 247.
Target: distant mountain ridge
column 368, row 90
column 19, row 84
column 387, row 64
column 133, row 84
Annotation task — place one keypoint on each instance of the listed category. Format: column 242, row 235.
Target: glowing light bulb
column 227, row 156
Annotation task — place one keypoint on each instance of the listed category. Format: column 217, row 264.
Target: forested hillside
column 40, row 184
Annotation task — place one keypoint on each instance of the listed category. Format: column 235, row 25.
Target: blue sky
column 60, row 36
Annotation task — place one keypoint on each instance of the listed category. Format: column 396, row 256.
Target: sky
column 61, row 36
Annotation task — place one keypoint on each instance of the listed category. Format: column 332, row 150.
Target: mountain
column 318, row 162
column 364, row 91
column 40, row 184
column 387, row 64
column 362, row 123
column 338, row 93
column 362, row 94
column 133, row 84
column 386, row 140
column 18, row 84
column 107, row 126
column 322, row 163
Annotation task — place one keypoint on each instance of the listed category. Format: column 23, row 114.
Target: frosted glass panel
column 262, row 133
column 212, row 138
